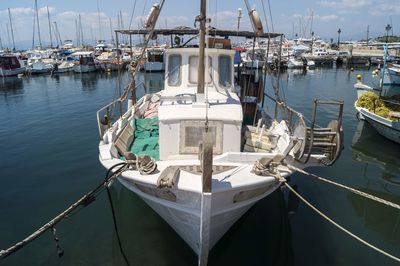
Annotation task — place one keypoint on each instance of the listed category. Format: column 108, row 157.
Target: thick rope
column 356, row 191
column 84, row 201
column 341, row 227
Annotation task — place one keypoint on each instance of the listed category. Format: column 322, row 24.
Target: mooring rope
column 356, row 191
column 84, row 201
column 341, row 227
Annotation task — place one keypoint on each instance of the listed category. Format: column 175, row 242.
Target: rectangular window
column 225, row 71
column 193, row 70
column 174, row 70
column 191, row 135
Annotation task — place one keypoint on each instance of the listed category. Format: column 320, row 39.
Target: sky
column 301, row 17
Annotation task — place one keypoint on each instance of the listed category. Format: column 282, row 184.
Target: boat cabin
column 9, row 62
column 182, row 112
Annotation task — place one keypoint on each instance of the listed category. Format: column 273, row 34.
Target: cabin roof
column 193, row 31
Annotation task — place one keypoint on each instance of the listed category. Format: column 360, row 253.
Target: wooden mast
column 202, row 33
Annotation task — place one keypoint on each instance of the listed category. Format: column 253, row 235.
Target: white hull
column 11, row 72
column 40, row 70
column 394, row 75
column 228, row 204
column 385, row 127
column 84, row 68
column 64, row 70
column 154, row 66
column 292, row 63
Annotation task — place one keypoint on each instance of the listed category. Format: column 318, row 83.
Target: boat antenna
column 12, row 31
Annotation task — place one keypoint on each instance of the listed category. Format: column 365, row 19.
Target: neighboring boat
column 320, row 56
column 63, row 67
column 154, row 60
column 389, row 125
column 40, row 67
column 295, row 63
column 393, row 71
column 85, row 62
column 10, row 66
column 191, row 157
column 253, row 59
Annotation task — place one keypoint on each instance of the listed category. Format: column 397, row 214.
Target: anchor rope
column 356, row 191
column 83, row 201
column 339, row 226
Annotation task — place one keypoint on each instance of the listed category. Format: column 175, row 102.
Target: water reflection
column 11, row 85
column 372, row 149
column 88, row 80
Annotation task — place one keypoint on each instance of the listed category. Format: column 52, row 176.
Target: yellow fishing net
column 373, row 103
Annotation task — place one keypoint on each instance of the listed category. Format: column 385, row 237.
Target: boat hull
column 84, row 68
column 186, row 221
column 11, row 72
column 394, row 76
column 387, row 128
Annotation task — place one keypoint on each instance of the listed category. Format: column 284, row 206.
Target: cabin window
column 193, row 69
column 174, row 70
column 225, row 71
column 191, row 135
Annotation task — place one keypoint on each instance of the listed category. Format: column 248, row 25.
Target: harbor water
column 49, row 158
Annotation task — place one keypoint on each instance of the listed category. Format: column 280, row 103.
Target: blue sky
column 288, row 16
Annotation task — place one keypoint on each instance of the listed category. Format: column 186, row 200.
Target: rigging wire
column 270, row 14
column 265, row 15
column 133, row 12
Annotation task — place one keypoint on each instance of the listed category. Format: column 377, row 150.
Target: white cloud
column 385, row 10
column 345, row 4
column 326, row 18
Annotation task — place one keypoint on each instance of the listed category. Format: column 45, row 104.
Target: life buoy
column 152, row 17
column 256, row 21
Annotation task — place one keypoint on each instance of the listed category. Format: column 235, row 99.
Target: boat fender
column 359, row 78
column 256, row 21
column 152, row 17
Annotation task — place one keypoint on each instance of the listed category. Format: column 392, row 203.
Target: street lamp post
column 388, row 28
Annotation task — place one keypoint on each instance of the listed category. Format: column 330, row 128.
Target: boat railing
column 106, row 116
column 326, row 142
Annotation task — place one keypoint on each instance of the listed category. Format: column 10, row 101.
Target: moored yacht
column 10, row 65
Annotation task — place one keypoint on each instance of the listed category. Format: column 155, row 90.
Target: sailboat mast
column 98, row 14
column 51, row 36
column 202, row 33
column 111, row 30
column 12, row 31
column 38, row 26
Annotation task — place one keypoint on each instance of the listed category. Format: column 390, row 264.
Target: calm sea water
column 49, row 158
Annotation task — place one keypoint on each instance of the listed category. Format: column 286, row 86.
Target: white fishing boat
column 394, row 73
column 10, row 66
column 388, row 127
column 85, row 62
column 191, row 157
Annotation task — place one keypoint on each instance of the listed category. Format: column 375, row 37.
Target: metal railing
column 106, row 115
